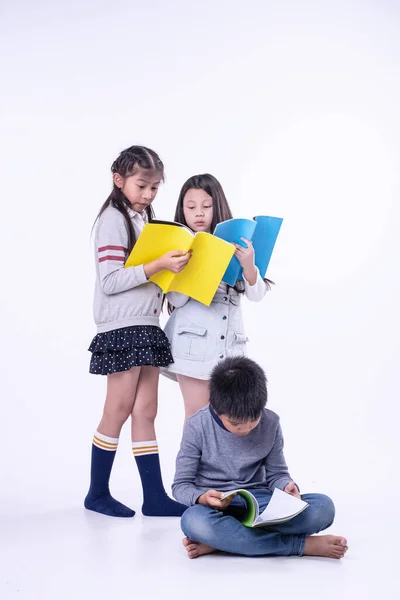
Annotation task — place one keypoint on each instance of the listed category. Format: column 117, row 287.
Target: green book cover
column 282, row 507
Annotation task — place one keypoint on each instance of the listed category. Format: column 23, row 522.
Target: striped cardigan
column 122, row 297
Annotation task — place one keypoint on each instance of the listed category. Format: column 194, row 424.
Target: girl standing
column 129, row 346
column 200, row 335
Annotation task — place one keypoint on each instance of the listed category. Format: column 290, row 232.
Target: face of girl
column 198, row 210
column 140, row 188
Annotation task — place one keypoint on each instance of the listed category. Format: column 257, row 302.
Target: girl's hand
column 174, row 261
column 246, row 258
column 245, row 255
column 292, row 490
column 212, row 498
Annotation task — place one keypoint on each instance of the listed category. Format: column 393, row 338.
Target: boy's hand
column 292, row 489
column 212, row 499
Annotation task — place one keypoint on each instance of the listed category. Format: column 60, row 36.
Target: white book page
column 229, row 494
column 281, row 507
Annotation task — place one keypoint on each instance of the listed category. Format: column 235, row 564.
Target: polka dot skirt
column 122, row 349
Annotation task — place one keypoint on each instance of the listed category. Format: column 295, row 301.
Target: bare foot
column 331, row 546
column 195, row 549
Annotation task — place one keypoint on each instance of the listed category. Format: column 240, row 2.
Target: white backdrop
column 294, row 107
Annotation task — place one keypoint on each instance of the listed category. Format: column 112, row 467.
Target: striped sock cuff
column 104, row 442
column 142, row 448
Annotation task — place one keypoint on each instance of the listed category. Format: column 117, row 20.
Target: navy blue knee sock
column 99, row 498
column 156, row 503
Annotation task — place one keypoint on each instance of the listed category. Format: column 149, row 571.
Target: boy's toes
column 192, row 548
column 193, row 551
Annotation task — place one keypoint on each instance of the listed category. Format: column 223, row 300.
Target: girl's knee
column 144, row 413
column 118, row 414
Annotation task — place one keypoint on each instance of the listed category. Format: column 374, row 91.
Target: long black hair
column 212, row 187
column 221, row 209
column 126, row 165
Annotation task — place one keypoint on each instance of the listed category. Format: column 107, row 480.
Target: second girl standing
column 201, row 336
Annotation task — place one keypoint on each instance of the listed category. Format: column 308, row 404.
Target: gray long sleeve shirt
column 211, row 457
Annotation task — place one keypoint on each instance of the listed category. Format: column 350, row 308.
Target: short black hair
column 238, row 389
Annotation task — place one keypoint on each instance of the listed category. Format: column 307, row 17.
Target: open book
column 262, row 231
column 202, row 275
column 282, row 507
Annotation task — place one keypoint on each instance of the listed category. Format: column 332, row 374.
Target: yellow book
column 204, row 271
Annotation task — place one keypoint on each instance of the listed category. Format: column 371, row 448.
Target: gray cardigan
column 122, row 297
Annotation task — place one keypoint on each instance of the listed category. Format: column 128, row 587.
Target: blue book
column 262, row 231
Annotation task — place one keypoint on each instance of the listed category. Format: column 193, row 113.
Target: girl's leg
column 121, row 389
column 121, row 392
column 195, row 394
column 156, row 503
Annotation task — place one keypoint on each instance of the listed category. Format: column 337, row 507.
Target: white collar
column 137, row 215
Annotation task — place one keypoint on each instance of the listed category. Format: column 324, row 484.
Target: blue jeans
column 224, row 531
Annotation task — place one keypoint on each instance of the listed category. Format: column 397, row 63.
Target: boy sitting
column 236, row 442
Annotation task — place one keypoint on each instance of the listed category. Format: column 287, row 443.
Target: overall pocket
column 190, row 342
column 239, row 344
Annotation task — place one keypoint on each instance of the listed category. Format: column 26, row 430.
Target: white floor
column 341, row 438
column 52, row 549
column 59, row 554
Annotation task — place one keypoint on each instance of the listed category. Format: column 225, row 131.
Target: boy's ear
column 118, row 180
